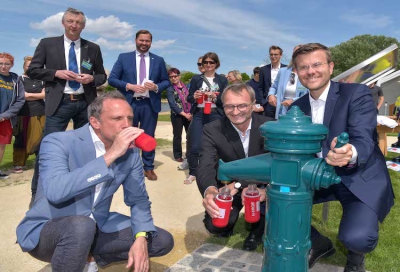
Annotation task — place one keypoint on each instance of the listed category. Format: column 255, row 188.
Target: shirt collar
column 323, row 96
column 145, row 54
column 96, row 140
column 277, row 68
column 77, row 42
column 247, row 130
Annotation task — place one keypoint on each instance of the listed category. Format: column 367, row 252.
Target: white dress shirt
column 147, row 60
column 274, row 72
column 77, row 47
column 245, row 138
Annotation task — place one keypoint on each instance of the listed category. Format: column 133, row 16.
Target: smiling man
column 141, row 77
column 235, row 136
column 365, row 193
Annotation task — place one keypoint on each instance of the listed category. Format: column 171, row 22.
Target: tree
column 186, row 76
column 358, row 49
column 245, row 77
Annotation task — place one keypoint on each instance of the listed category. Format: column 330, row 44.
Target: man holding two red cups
column 234, row 136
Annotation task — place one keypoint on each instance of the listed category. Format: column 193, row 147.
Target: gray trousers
column 67, row 241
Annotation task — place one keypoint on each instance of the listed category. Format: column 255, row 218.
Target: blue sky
column 239, row 31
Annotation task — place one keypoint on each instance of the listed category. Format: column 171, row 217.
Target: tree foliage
column 245, row 77
column 358, row 49
column 186, row 76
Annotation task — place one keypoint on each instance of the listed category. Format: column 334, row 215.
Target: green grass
column 164, row 117
column 385, row 257
column 7, row 161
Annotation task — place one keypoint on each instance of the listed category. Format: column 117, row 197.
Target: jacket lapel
column 333, row 95
column 133, row 60
column 61, row 53
column 151, row 59
column 233, row 138
column 254, row 144
column 84, row 51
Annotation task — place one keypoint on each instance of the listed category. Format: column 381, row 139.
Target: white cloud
column 160, row 44
column 130, row 45
column 367, row 19
column 108, row 27
column 243, row 47
column 34, row 42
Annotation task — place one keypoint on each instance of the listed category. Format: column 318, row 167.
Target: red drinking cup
column 252, row 207
column 224, row 202
column 145, row 142
column 207, row 107
column 200, row 99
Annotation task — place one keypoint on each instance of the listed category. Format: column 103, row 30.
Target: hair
column 294, row 50
column 236, row 74
column 76, row 12
column 256, row 70
column 201, row 57
column 144, row 31
column 238, row 88
column 8, row 56
column 308, row 48
column 96, row 107
column 212, row 56
column 26, row 59
column 174, row 70
column 274, row 47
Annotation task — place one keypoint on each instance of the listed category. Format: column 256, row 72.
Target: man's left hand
column 150, row 86
column 84, row 78
column 339, row 156
column 287, row 102
column 139, row 256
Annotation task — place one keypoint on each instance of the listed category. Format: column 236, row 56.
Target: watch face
column 238, row 185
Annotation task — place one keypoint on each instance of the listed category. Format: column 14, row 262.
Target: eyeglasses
column 274, row 55
column 174, row 76
column 292, row 78
column 208, row 62
column 199, row 64
column 315, row 66
column 240, row 107
column 5, row 64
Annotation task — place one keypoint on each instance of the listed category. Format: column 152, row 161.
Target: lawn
column 386, row 256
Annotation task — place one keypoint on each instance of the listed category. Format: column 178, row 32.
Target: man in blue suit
column 141, row 76
column 80, row 171
column 365, row 193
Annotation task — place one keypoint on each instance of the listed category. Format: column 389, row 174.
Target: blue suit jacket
column 279, row 86
column 350, row 108
column 265, row 82
column 69, row 173
column 124, row 71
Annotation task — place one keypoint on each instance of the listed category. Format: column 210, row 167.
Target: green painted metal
column 292, row 173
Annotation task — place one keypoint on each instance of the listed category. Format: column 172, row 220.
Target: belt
column 74, row 97
column 202, row 109
column 140, row 97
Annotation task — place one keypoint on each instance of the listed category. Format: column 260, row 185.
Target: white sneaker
column 184, row 165
column 3, row 176
column 91, row 267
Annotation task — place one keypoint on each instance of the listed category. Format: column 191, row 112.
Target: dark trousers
column 358, row 229
column 178, row 123
column 67, row 110
column 195, row 133
column 269, row 110
column 146, row 119
column 67, row 241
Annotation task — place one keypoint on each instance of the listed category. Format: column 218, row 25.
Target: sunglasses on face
column 199, row 64
column 208, row 62
column 174, row 76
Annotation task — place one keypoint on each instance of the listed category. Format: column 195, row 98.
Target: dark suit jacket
column 50, row 57
column 221, row 141
column 350, row 108
column 265, row 83
column 124, row 71
column 197, row 82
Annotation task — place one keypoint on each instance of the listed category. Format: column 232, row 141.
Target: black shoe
column 355, row 262
column 252, row 241
column 224, row 234
column 397, row 159
column 396, row 144
column 325, row 249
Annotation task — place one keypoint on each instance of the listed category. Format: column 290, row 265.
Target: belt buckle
column 71, row 97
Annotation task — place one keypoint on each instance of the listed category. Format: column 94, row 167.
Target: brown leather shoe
column 150, row 175
column 179, row 160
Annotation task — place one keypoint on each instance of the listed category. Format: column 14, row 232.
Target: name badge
column 86, row 64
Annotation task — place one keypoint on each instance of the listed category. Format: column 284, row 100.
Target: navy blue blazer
column 265, row 83
column 350, row 108
column 197, row 82
column 124, row 71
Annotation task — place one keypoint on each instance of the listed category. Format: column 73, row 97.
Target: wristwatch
column 147, row 235
column 238, row 185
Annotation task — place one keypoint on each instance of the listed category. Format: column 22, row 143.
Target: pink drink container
column 252, row 204
column 224, row 202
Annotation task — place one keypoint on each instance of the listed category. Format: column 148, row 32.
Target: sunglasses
column 174, row 76
column 199, row 64
column 208, row 62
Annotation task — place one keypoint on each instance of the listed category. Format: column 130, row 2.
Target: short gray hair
column 237, row 89
column 76, row 12
column 96, row 107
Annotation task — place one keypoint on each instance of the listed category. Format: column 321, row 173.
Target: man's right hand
column 66, row 74
column 121, row 143
column 136, row 88
column 272, row 100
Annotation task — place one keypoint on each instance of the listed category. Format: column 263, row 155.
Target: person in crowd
column 233, row 137
column 254, row 83
column 214, row 84
column 71, row 68
column 141, row 76
column 200, row 65
column 80, row 170
column 180, row 111
column 11, row 101
column 268, row 74
column 365, row 191
column 234, row 77
column 31, row 118
column 285, row 89
column 377, row 95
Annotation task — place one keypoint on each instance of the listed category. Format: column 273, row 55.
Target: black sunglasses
column 199, row 64
column 208, row 62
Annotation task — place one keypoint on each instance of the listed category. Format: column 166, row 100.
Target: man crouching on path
column 80, row 171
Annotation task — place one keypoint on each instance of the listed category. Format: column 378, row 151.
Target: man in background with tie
column 141, row 76
column 72, row 68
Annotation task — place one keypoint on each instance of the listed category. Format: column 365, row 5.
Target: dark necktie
column 142, row 72
column 73, row 66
